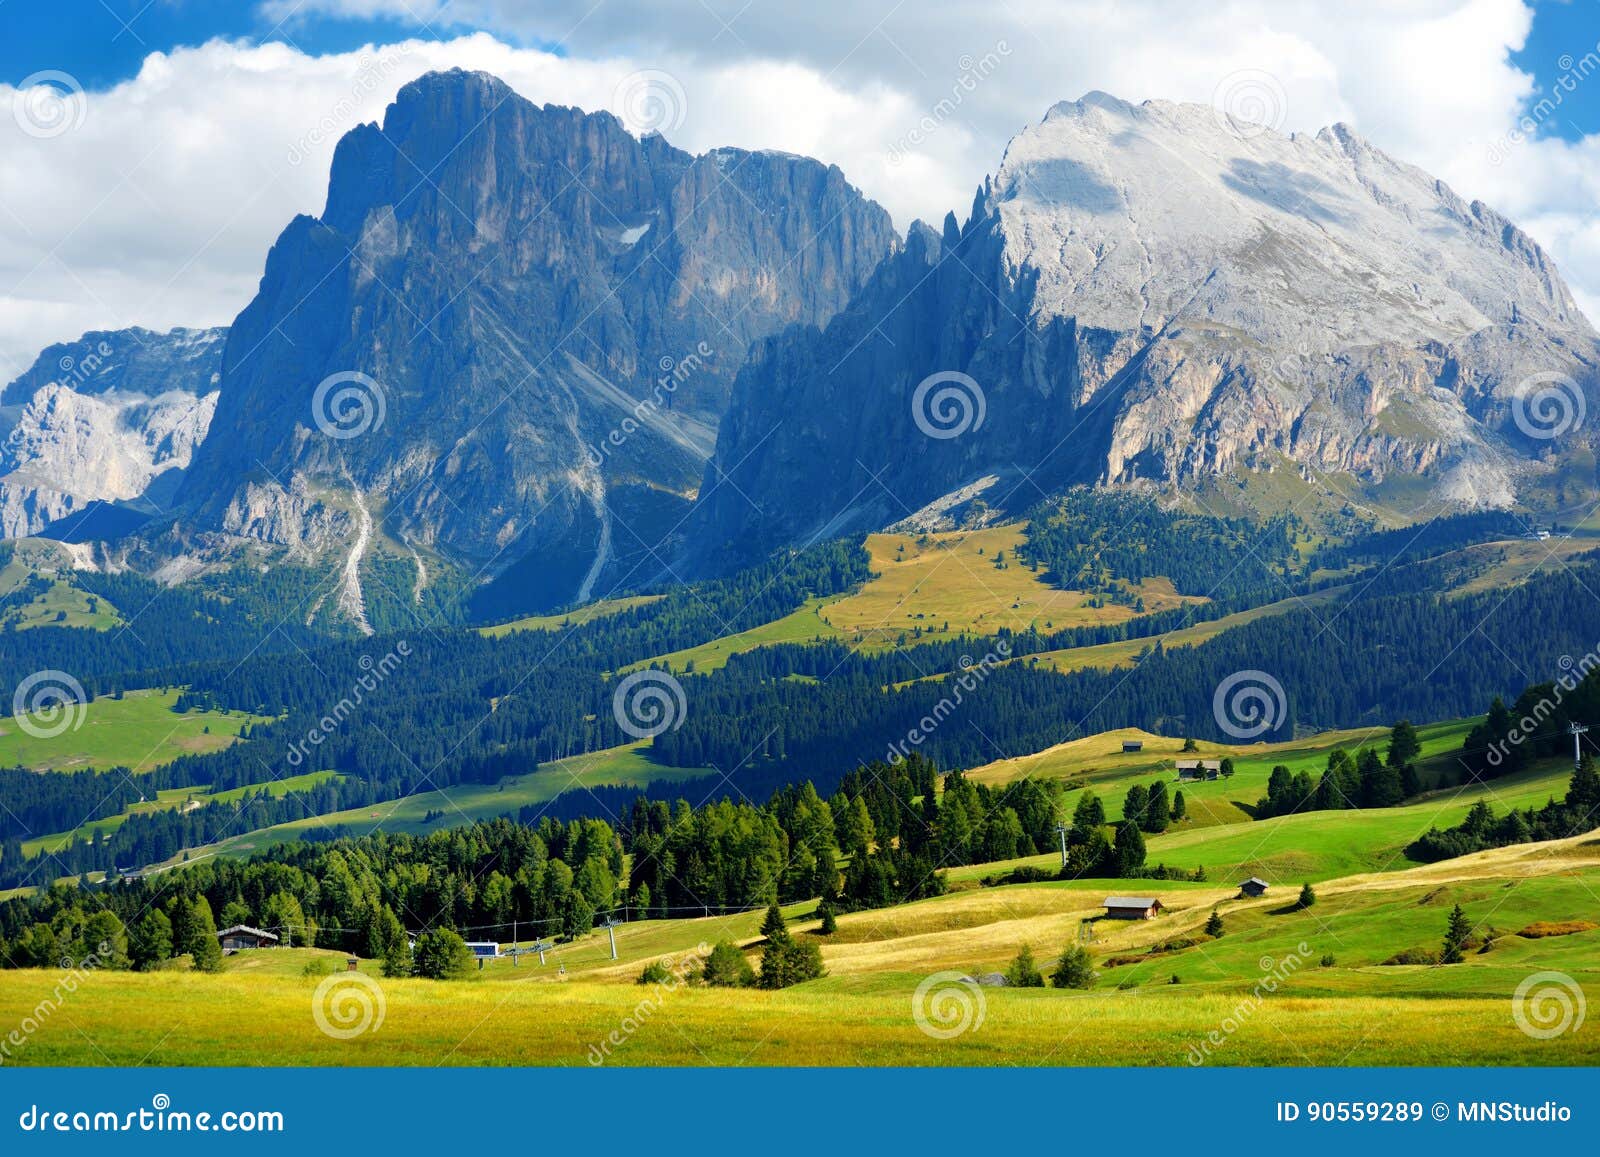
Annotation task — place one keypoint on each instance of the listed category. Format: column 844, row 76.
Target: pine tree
column 1308, row 897
column 1403, row 744
column 441, row 954
column 829, row 924
column 1583, row 793
column 1456, row 934
column 1089, row 814
column 1157, row 811
column 773, row 926
column 1180, row 809
column 727, row 967
column 1075, row 969
column 1023, row 972
column 1214, row 924
column 397, row 958
column 1135, row 803
column 201, row 938
column 151, row 941
column 1130, row 849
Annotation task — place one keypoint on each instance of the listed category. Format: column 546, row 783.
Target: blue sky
column 103, row 41
column 100, row 42
column 1563, row 31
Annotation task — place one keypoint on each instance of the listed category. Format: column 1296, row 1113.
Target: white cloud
column 158, row 208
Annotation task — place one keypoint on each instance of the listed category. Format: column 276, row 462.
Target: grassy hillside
column 176, row 797
column 568, row 619
column 968, row 582
column 931, row 586
column 139, row 731
column 1332, row 1000
column 626, row 766
column 1098, row 763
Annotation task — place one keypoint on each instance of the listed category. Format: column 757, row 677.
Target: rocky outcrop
column 112, row 417
column 1149, row 292
column 514, row 329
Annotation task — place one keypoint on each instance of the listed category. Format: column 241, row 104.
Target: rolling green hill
column 139, row 732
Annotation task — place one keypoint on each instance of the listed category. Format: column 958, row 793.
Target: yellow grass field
column 568, row 619
column 949, row 583
column 1280, row 987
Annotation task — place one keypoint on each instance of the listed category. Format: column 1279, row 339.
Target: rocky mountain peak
column 1154, row 292
column 545, row 314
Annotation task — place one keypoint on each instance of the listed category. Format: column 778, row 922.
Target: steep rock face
column 112, row 417
column 1149, row 292
column 545, row 315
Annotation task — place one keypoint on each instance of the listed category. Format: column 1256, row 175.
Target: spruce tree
column 1308, row 897
column 1130, row 849
column 773, row 927
column 1075, row 969
column 201, row 938
column 1455, row 937
column 1023, row 972
column 150, row 943
column 1157, row 811
column 1135, row 803
column 1214, row 924
column 1403, row 744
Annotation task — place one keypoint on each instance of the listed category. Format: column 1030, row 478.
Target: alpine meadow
column 651, row 549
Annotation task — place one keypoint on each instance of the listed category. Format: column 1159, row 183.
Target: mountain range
column 1155, row 294
column 526, row 347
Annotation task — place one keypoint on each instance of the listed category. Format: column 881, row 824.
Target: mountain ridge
column 1149, row 294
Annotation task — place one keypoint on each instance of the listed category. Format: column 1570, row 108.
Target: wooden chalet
column 243, row 936
column 1132, row 907
column 1194, row 769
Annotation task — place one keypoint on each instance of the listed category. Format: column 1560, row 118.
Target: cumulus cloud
column 159, row 207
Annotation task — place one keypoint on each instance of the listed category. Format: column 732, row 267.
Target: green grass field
column 175, row 797
column 1097, row 763
column 1279, row 987
column 569, row 619
column 626, row 766
column 139, row 731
